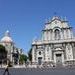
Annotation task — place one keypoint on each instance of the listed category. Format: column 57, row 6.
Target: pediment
column 56, row 22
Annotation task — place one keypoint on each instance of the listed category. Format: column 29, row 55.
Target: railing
column 53, row 41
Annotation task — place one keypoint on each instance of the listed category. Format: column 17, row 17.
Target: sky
column 25, row 18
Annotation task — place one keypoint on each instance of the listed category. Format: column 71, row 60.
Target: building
column 12, row 51
column 57, row 44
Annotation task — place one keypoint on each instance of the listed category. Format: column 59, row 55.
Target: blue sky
column 25, row 18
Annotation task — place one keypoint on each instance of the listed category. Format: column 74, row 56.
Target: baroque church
column 56, row 46
column 12, row 51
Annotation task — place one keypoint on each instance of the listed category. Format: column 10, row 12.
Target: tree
column 3, row 53
column 30, row 54
column 23, row 58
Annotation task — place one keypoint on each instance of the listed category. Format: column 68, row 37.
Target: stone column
column 69, row 53
column 49, row 35
column 54, row 56
column 69, row 33
column 44, row 35
column 65, row 34
column 61, row 35
column 53, row 37
column 63, row 58
column 33, row 54
column 46, row 59
column 50, row 53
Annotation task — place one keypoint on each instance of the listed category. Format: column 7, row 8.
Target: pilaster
column 33, row 53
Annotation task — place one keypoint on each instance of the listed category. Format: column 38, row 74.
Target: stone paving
column 38, row 71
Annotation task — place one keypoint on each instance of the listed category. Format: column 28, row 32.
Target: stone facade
column 57, row 44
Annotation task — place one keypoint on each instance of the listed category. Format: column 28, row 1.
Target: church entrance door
column 39, row 60
column 58, row 59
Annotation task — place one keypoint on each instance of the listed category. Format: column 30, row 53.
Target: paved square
column 51, row 71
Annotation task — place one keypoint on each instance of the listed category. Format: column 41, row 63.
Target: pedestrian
column 6, row 71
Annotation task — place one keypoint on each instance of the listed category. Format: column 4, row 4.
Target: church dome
column 7, row 38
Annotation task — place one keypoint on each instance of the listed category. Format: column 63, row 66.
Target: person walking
column 6, row 72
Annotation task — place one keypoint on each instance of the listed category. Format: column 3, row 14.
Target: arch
column 56, row 28
column 57, row 34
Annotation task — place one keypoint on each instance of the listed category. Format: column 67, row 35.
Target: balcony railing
column 53, row 41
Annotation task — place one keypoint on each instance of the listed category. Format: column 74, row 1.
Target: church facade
column 12, row 51
column 57, row 44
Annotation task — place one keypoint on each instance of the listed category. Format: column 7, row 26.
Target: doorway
column 39, row 60
column 58, row 59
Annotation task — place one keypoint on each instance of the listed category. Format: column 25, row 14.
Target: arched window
column 57, row 34
column 40, row 53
